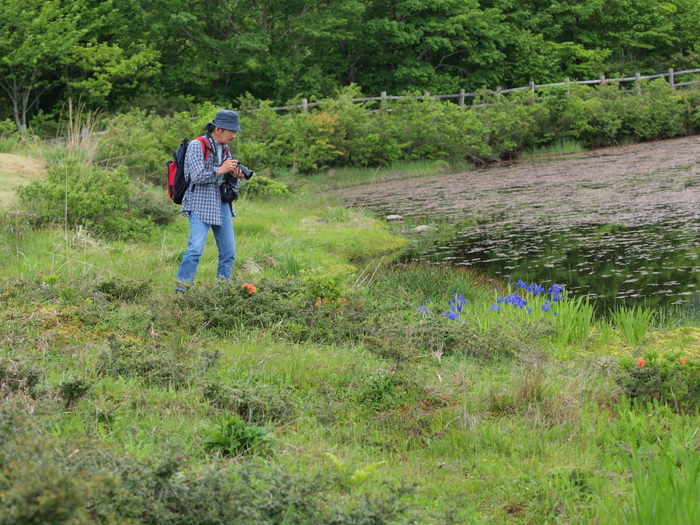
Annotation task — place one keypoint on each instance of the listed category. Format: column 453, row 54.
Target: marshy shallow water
column 619, row 224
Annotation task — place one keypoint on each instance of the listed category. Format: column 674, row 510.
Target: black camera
column 247, row 173
column 229, row 186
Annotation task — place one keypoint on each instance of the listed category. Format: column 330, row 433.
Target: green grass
column 539, row 433
column 559, row 148
column 633, row 323
column 345, row 177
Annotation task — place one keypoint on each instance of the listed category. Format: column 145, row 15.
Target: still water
column 621, row 225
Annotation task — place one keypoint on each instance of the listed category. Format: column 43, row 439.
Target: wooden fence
column 462, row 96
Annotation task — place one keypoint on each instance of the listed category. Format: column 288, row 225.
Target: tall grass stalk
column 574, row 320
column 81, row 129
column 633, row 323
column 665, row 490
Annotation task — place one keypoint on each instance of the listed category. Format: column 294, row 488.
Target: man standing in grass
column 202, row 203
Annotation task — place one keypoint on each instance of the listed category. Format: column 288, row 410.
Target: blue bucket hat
column 226, row 119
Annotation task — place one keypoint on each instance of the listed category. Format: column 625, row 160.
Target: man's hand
column 230, row 166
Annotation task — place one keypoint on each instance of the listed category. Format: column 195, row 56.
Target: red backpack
column 177, row 182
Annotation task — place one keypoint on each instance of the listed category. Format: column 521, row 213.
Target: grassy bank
column 337, row 392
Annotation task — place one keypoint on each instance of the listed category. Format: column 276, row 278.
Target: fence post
column 382, row 103
column 532, row 86
column 602, row 79
column 426, row 94
column 305, row 105
column 671, row 78
column 568, row 86
column 498, row 90
column 638, row 83
column 461, row 97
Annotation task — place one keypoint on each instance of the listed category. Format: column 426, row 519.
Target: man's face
column 224, row 136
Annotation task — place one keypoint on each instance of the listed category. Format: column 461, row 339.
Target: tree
column 35, row 36
column 61, row 47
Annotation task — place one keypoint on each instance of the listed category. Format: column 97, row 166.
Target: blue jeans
column 225, row 242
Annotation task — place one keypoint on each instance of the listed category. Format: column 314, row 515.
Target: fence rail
column 463, row 95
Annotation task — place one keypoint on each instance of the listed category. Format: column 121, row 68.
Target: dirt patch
column 15, row 171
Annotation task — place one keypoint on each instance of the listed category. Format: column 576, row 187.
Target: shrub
column 16, row 376
column 513, row 124
column 674, row 381
column 428, row 130
column 383, row 392
column 396, row 338
column 253, row 402
column 117, row 289
column 325, row 283
column 152, row 365
column 227, row 305
column 35, row 490
column 150, row 202
column 72, row 389
column 260, row 186
column 139, row 142
column 163, row 491
column 363, row 139
column 329, row 320
column 73, row 195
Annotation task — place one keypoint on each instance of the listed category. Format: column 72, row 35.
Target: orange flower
column 641, row 362
column 683, row 360
column 249, row 287
column 318, row 302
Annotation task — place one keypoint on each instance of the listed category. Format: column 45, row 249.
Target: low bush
column 73, row 195
column 226, row 305
column 17, row 376
column 234, row 437
column 255, row 403
column 261, row 186
column 153, row 366
column 673, row 381
column 383, row 392
column 118, row 289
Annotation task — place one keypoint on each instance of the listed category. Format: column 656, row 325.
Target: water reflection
column 621, row 224
column 613, row 264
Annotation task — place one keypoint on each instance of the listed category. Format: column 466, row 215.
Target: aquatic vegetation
column 633, row 323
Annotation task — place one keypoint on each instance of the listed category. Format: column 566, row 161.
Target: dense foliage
column 121, row 53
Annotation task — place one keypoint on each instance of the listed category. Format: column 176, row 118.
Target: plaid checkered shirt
column 203, row 197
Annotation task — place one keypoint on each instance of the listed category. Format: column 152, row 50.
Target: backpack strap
column 206, row 146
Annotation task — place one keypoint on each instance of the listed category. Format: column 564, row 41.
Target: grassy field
column 338, row 392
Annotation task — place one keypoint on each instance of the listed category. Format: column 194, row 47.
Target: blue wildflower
column 556, row 291
column 458, row 298
column 451, row 315
column 423, row 310
column 496, row 308
column 536, row 288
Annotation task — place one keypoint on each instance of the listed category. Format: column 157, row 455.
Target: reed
column 633, row 323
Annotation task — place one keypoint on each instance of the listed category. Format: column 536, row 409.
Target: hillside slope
column 15, row 171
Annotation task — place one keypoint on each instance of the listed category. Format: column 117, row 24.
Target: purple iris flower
column 556, row 291
column 451, row 315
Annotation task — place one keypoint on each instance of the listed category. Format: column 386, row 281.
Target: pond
column 621, row 225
